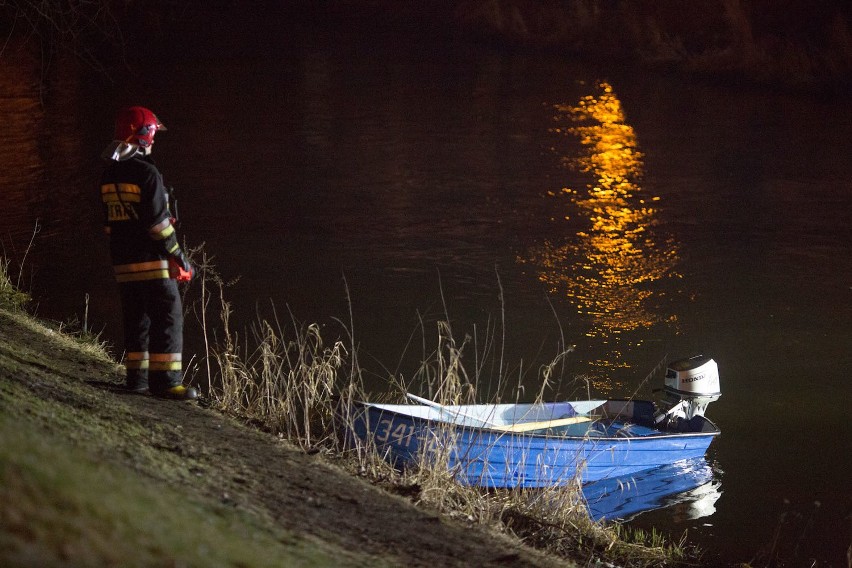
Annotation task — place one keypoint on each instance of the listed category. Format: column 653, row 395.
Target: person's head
column 137, row 125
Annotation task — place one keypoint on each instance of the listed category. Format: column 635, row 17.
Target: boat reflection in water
column 689, row 485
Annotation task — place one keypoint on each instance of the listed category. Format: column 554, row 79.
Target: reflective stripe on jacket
column 136, row 271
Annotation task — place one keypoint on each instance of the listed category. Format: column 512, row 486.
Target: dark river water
column 533, row 201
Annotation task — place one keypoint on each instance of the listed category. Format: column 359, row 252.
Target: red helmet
column 138, row 125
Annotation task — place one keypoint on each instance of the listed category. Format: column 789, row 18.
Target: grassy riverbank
column 91, row 476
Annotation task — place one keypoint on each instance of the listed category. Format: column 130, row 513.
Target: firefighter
column 147, row 259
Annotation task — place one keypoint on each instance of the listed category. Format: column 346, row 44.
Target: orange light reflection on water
column 606, row 267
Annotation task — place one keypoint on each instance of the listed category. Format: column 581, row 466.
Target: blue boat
column 548, row 444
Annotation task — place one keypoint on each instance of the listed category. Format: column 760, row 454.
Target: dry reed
column 288, row 380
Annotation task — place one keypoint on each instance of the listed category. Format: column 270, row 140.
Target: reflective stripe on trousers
column 136, row 360
column 165, row 362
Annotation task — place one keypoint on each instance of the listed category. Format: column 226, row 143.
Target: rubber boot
column 179, row 392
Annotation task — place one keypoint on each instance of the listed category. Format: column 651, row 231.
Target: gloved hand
column 179, row 267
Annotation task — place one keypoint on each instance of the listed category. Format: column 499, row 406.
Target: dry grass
column 287, row 379
column 13, row 299
column 10, row 297
column 72, row 333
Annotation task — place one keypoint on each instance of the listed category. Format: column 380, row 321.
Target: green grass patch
column 63, row 506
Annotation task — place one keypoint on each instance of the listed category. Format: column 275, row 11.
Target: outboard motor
column 690, row 385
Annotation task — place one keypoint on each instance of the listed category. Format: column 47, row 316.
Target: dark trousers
column 153, row 333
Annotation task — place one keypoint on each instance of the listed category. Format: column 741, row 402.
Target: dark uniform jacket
column 136, row 205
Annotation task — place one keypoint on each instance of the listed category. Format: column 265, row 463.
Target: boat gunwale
column 658, row 435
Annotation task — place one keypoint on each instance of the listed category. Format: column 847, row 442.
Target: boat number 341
column 400, row 434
